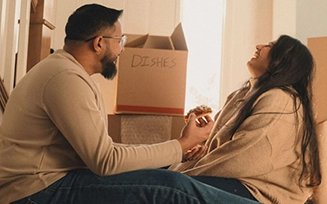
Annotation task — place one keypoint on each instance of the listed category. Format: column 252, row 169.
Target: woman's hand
column 195, row 132
column 195, row 153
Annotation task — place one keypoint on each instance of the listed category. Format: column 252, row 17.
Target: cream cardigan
column 264, row 153
column 55, row 121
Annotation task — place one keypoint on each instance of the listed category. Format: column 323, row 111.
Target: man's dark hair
column 88, row 20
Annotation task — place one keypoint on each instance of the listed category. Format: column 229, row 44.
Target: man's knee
column 176, row 179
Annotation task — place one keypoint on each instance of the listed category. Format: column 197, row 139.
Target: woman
column 264, row 143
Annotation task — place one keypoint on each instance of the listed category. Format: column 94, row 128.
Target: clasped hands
column 195, row 132
column 195, row 153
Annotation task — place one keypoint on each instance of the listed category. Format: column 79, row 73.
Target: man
column 54, row 143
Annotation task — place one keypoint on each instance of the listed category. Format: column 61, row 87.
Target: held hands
column 195, row 132
column 195, row 153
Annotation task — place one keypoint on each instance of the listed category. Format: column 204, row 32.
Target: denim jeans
column 227, row 184
column 143, row 186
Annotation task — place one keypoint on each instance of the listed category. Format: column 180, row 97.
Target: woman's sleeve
column 265, row 141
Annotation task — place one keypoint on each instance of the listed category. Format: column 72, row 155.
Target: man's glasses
column 122, row 41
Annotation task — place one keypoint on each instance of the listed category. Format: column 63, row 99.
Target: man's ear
column 97, row 44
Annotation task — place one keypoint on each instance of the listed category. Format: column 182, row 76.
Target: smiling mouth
column 256, row 55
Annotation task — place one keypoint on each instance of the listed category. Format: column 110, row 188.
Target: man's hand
column 195, row 153
column 195, row 132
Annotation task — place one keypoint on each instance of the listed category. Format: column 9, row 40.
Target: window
column 203, row 26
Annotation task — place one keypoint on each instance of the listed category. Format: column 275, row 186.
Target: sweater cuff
column 178, row 150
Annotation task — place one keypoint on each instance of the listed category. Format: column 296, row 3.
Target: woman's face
column 258, row 64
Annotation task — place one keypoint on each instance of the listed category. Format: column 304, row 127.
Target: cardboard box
column 144, row 129
column 152, row 75
column 318, row 48
column 320, row 193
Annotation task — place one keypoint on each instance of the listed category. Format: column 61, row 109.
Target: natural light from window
column 203, row 24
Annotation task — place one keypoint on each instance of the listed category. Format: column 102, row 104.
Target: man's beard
column 109, row 68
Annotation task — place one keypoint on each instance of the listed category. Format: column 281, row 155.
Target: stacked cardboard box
column 144, row 129
column 152, row 75
column 150, row 90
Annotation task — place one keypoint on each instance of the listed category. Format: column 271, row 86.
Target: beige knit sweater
column 56, row 121
column 264, row 153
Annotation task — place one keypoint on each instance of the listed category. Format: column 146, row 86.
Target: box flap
column 175, row 42
column 178, row 38
column 136, row 40
column 159, row 42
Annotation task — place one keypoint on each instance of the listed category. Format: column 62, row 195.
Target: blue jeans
column 227, row 184
column 143, row 186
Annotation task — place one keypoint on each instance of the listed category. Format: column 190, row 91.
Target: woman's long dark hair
column 291, row 69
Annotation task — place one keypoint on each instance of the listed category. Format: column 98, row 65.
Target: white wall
column 247, row 23
column 250, row 22
column 284, row 18
column 139, row 17
column 300, row 19
column 311, row 19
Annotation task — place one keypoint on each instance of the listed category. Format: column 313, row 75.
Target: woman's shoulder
column 277, row 93
column 275, row 98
